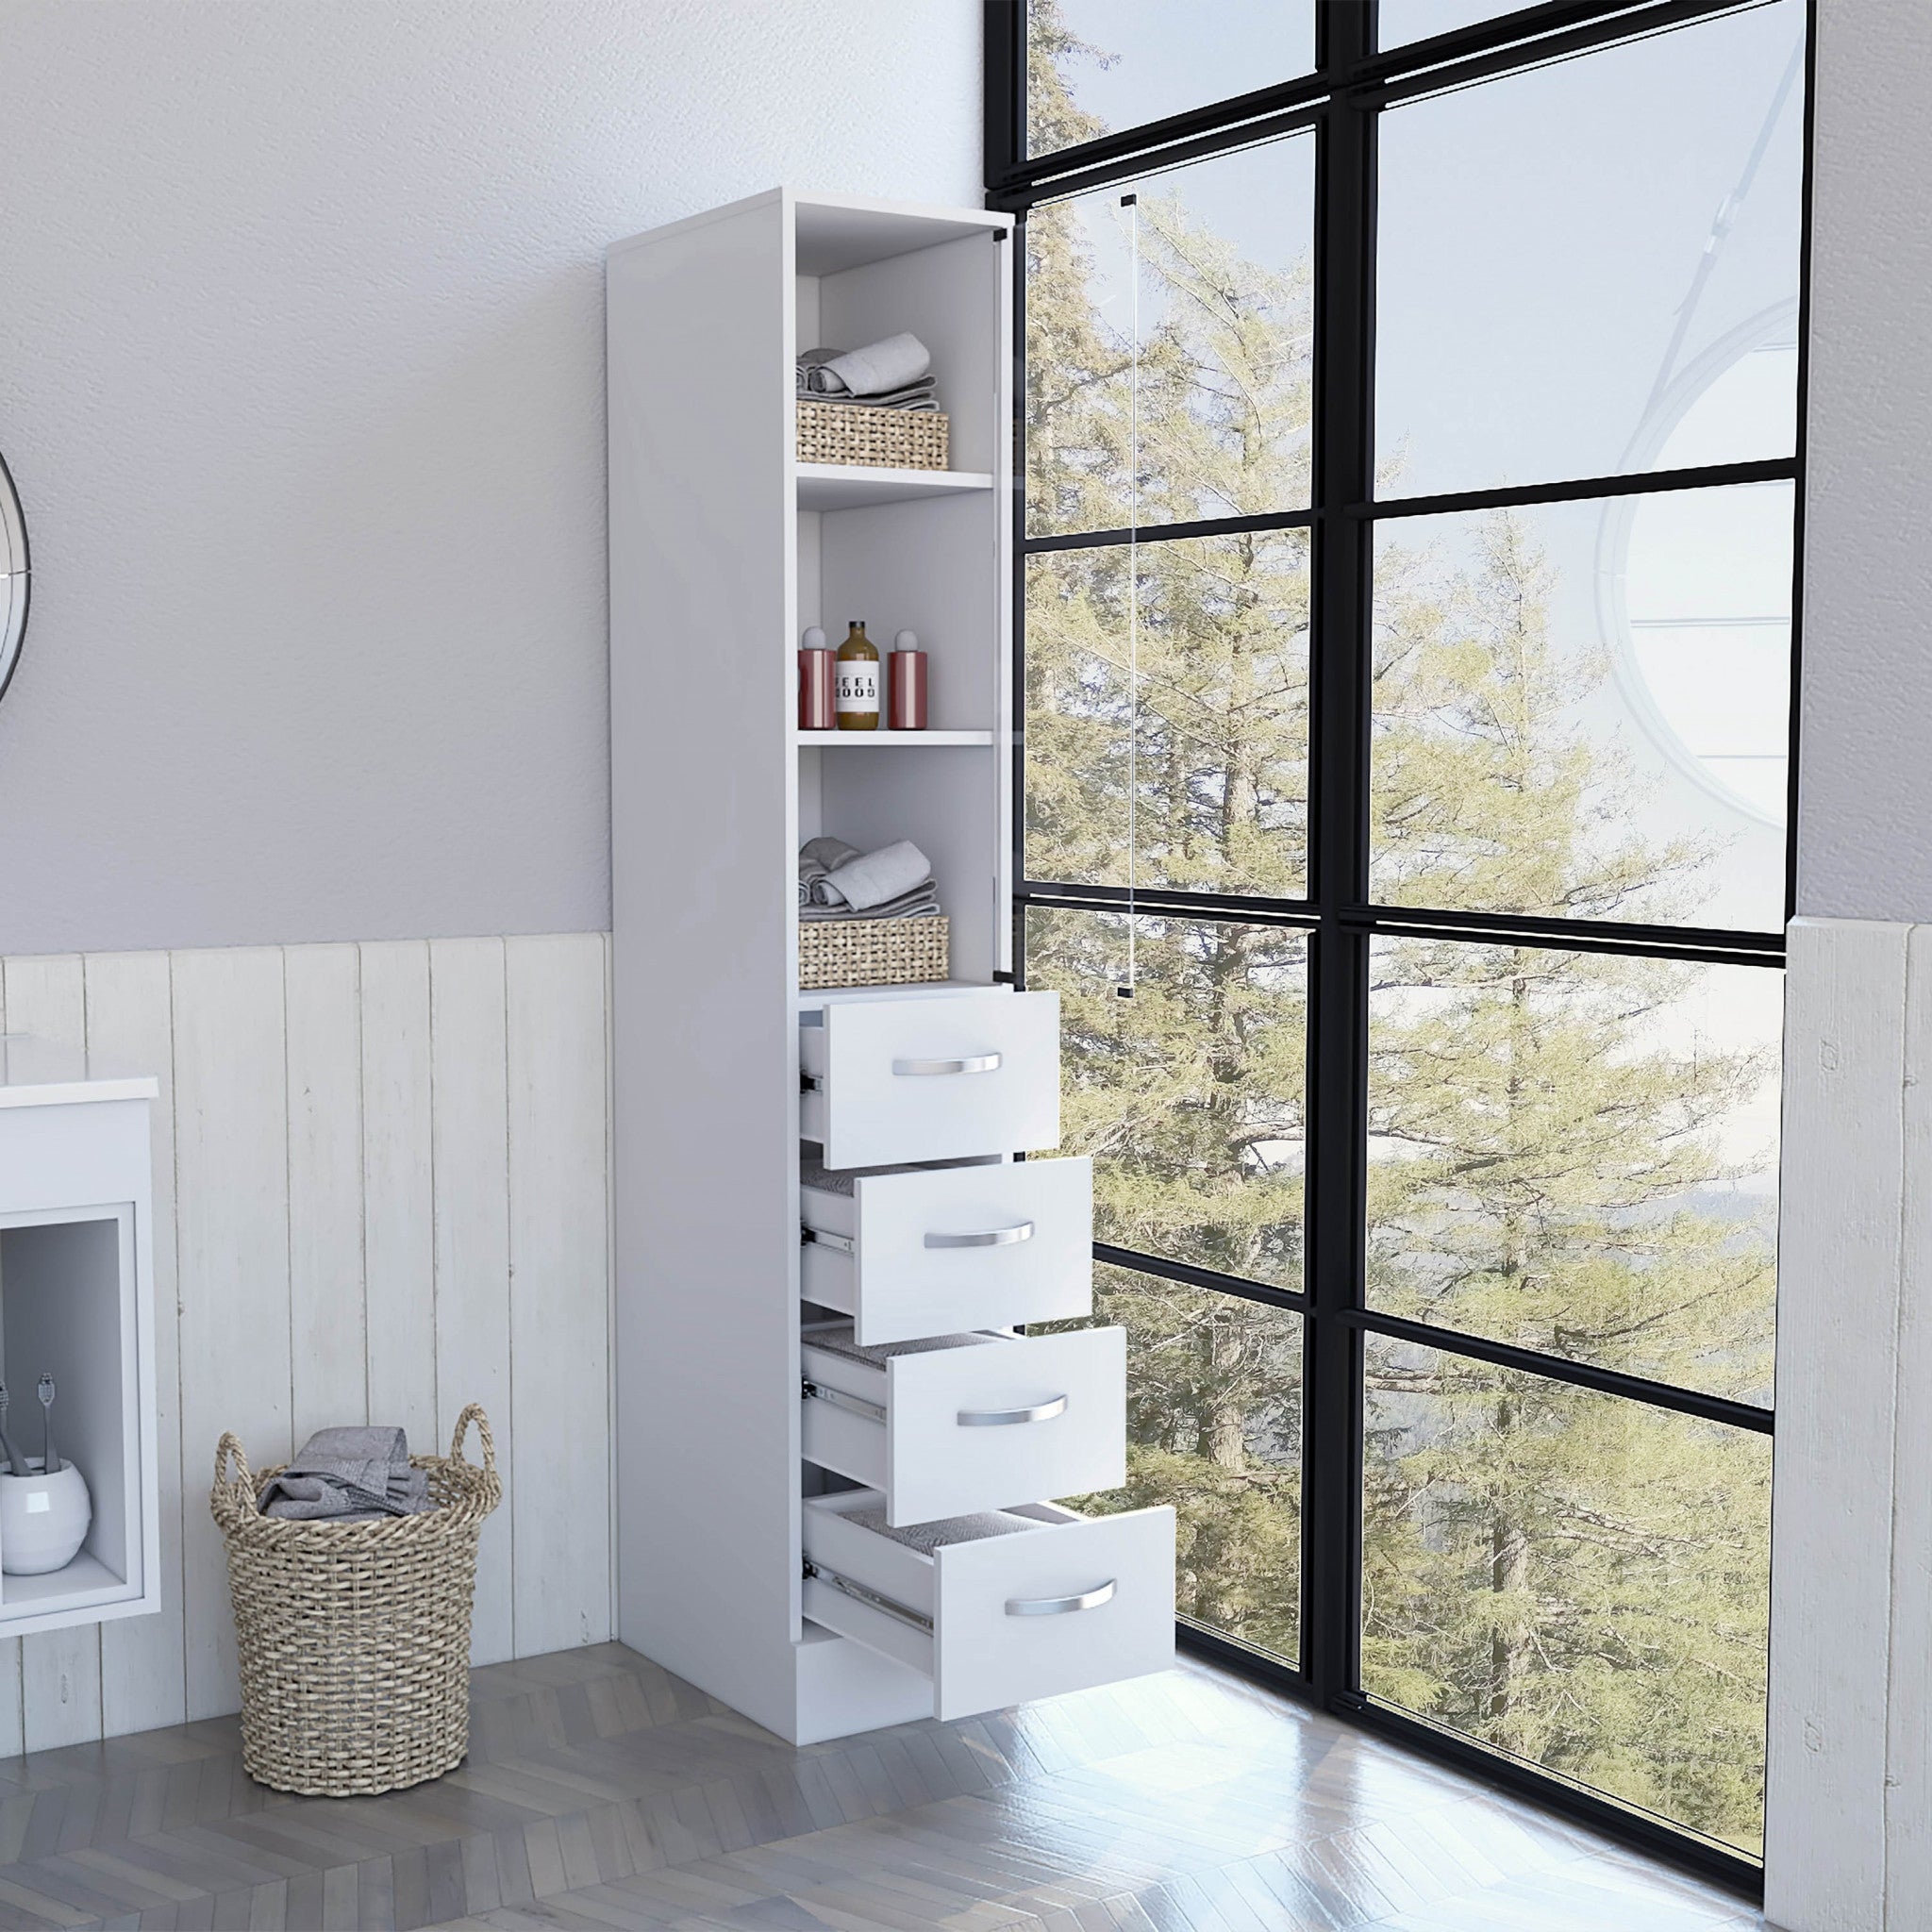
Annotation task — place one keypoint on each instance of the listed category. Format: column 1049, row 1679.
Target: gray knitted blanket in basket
column 348, row 1475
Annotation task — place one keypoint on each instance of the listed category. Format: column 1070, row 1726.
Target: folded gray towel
column 913, row 395
column 348, row 1475
column 875, row 370
column 818, row 859
column 919, row 396
column 923, row 904
column 875, row 877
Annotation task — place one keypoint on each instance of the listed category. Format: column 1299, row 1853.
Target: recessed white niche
column 76, row 1302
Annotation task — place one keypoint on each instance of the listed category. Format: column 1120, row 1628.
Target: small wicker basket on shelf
column 871, row 952
column 355, row 1637
column 879, row 439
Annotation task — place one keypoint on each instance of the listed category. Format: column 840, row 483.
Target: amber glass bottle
column 858, row 681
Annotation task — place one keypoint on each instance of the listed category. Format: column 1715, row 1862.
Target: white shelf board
column 84, row 1582
column 48, row 1073
column 857, row 486
column 853, row 740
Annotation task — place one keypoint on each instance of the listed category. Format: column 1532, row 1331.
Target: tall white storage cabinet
column 77, row 1300
column 835, row 1452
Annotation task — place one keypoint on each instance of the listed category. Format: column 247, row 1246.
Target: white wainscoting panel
column 381, row 1190
column 1849, row 1771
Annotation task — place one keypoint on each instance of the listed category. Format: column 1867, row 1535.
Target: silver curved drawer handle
column 989, row 1238
column 1005, row 1418
column 1060, row 1606
column 971, row 1063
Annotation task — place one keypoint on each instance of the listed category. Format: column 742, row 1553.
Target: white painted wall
column 1865, row 783
column 302, row 382
column 380, row 1193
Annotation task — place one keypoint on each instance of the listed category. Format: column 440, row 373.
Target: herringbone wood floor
column 601, row 1792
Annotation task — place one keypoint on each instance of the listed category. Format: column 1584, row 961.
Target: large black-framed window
column 1406, row 628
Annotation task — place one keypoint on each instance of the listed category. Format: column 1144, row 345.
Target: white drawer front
column 1090, row 1602
column 1085, row 1601
column 1017, row 1422
column 962, row 1247
column 948, row 1432
column 936, row 1079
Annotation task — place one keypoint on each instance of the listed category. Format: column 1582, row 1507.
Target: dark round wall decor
column 13, row 577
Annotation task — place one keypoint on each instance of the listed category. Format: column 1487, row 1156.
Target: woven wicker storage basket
column 871, row 952
column 355, row 1637
column 882, row 438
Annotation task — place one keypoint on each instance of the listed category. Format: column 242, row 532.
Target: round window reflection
column 13, row 577
column 1695, row 585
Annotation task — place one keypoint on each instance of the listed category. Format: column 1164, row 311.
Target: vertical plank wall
column 381, row 1191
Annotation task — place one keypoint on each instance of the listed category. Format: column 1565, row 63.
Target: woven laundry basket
column 883, row 439
column 872, row 952
column 355, row 1637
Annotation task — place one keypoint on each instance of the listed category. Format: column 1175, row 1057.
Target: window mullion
column 1344, row 270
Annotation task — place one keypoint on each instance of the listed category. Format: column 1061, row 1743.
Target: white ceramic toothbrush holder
column 44, row 1520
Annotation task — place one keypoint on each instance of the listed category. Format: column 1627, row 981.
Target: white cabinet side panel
column 10, row 1647
column 59, row 1670
column 703, row 539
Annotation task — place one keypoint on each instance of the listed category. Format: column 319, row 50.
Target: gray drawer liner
column 835, row 1337
column 928, row 1536
column 839, row 1180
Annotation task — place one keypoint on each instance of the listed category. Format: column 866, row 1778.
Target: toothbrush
column 16, row 1462
column 50, row 1463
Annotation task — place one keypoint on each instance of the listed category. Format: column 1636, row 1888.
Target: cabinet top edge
column 899, row 224
column 43, row 1073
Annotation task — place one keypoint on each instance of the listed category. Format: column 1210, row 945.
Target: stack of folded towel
column 895, row 373
column 348, row 1475
column 838, row 881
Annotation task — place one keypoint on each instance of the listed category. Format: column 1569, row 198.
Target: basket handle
column 230, row 1445
column 473, row 1412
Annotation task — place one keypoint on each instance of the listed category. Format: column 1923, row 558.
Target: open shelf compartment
column 68, row 1306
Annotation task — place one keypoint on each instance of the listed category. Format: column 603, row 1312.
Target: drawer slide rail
column 860, row 1594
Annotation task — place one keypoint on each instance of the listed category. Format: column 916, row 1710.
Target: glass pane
column 1399, row 22
column 1096, row 67
column 1188, row 1094
column 1214, row 1429
column 1582, row 709
column 1577, row 1579
column 1169, row 346
column 1167, row 737
column 1577, row 1152
column 1577, row 261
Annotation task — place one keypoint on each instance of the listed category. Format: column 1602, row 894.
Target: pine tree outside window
column 1405, row 624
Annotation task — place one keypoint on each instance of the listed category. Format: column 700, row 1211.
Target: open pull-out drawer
column 996, row 1608
column 916, row 1251
column 959, row 1422
column 930, row 1079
